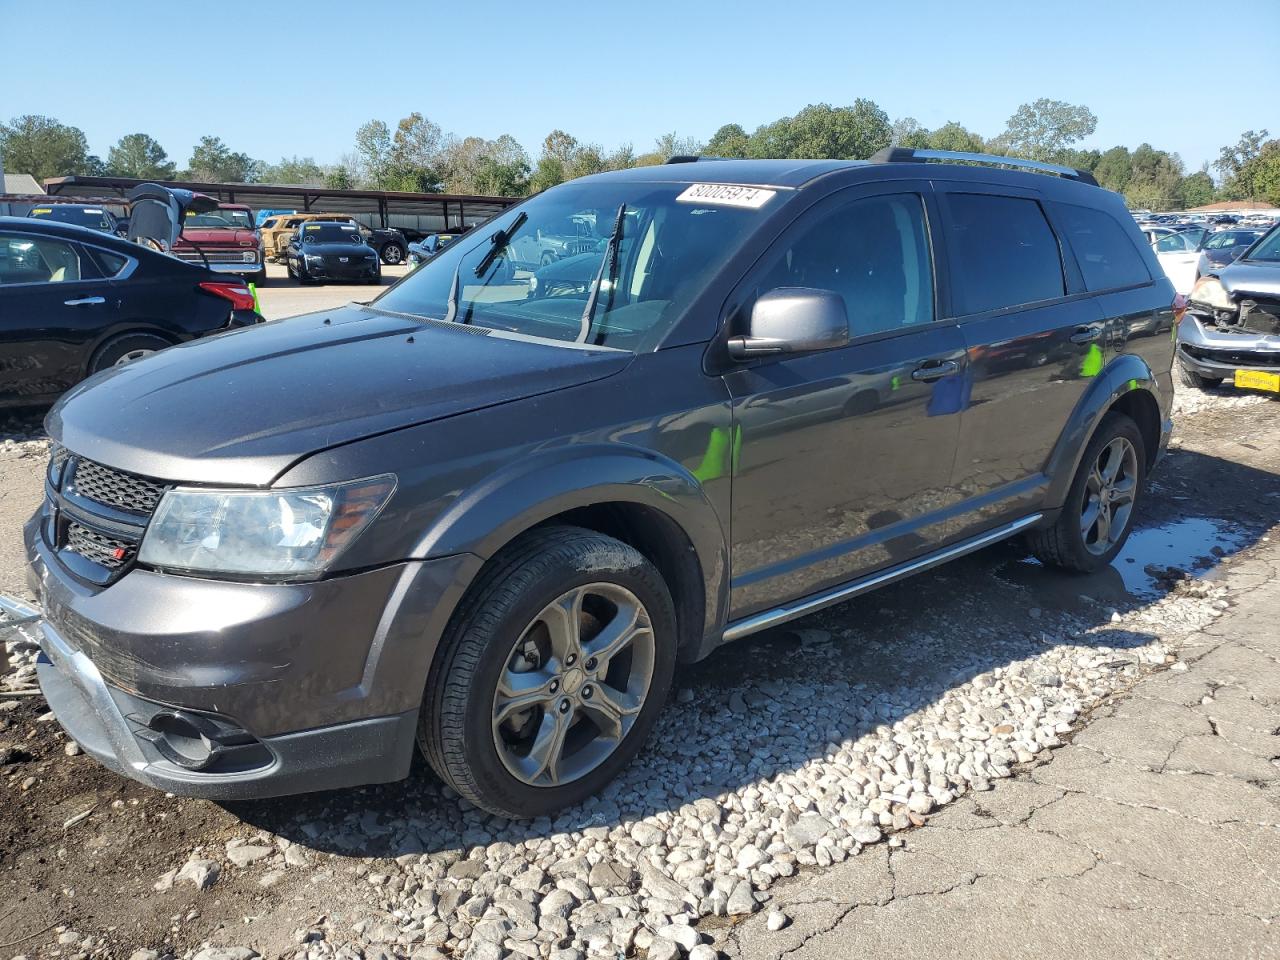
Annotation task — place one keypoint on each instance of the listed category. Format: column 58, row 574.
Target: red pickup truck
column 225, row 240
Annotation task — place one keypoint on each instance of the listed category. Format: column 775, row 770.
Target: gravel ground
column 786, row 754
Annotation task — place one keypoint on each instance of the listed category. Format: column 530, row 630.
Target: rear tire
column 1074, row 542
column 125, row 349
column 500, row 645
column 392, row 253
column 1192, row 379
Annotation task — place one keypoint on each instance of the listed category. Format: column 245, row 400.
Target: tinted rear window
column 1103, row 248
column 1003, row 253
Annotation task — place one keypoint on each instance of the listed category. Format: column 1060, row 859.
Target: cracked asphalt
column 1154, row 833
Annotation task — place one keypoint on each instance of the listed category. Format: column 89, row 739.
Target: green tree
column 729, row 141
column 1266, row 173
column 1041, row 130
column 373, row 151
column 1114, row 169
column 212, row 161
column 908, row 132
column 294, row 170
column 1198, row 189
column 1156, row 183
column 953, row 136
column 138, row 155
column 821, row 131
column 43, row 147
column 1237, row 164
column 341, row 177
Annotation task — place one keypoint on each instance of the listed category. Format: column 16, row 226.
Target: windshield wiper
column 608, row 266
column 497, row 243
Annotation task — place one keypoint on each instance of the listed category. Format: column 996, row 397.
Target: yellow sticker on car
column 1258, row 380
column 40, row 210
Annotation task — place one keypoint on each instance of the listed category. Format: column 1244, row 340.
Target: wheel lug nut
column 586, row 692
column 555, row 685
column 571, row 659
column 564, row 706
column 591, row 663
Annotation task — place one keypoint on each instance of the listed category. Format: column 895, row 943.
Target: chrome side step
column 799, row 608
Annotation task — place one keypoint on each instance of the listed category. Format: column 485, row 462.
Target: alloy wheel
column 573, row 684
column 132, row 355
column 1110, row 490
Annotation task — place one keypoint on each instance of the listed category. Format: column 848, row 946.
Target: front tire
column 551, row 673
column 1192, row 379
column 1097, row 517
column 393, row 253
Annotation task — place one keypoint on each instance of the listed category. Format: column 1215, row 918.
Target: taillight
column 237, row 293
column 1179, row 308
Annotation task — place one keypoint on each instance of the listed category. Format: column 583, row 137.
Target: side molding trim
column 799, row 608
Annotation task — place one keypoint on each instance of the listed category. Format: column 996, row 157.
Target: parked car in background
column 92, row 216
column 491, row 524
column 75, row 301
column 262, row 215
column 423, row 250
column 224, row 240
column 390, row 245
column 1222, row 247
column 1178, row 252
column 331, row 251
column 1232, row 328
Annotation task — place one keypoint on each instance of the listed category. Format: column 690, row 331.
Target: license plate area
column 1257, row 380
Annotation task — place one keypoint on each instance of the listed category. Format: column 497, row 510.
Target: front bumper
column 1205, row 350
column 354, row 271
column 289, row 687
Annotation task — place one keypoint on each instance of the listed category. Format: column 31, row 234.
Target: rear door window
column 1003, row 253
column 1104, row 250
column 27, row 259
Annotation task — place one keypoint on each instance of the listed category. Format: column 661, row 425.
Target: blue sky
column 612, row 72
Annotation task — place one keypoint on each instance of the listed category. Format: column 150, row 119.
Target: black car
column 89, row 215
column 322, row 250
column 390, row 243
column 76, row 300
column 489, row 523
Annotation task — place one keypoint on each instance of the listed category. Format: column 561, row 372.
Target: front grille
column 115, row 488
column 100, row 548
column 218, row 256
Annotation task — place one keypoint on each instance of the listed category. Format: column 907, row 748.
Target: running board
column 800, row 608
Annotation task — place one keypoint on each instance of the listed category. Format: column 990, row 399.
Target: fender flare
column 488, row 516
column 1123, row 375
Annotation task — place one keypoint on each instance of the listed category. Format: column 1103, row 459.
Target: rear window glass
column 1103, row 248
column 1003, row 253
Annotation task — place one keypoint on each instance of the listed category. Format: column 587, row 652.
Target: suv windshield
column 214, row 219
column 539, row 282
column 1230, row 238
column 330, row 233
column 93, row 217
column 1266, row 249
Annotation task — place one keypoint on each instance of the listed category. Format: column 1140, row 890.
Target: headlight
column 295, row 532
column 317, row 257
column 1210, row 292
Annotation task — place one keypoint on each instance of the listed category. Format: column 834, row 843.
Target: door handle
column 85, row 302
column 934, row 370
column 1087, row 333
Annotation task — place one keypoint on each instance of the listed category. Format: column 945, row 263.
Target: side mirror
column 793, row 320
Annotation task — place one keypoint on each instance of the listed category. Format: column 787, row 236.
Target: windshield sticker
column 39, row 210
column 91, row 210
column 727, row 195
column 313, row 226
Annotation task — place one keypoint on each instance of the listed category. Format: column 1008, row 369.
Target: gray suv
column 490, row 522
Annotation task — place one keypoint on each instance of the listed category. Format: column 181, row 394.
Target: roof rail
column 683, row 158
column 908, row 155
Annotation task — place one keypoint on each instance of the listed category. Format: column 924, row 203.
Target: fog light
column 181, row 740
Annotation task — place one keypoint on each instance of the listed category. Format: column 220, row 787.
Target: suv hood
column 241, row 407
column 1251, row 278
